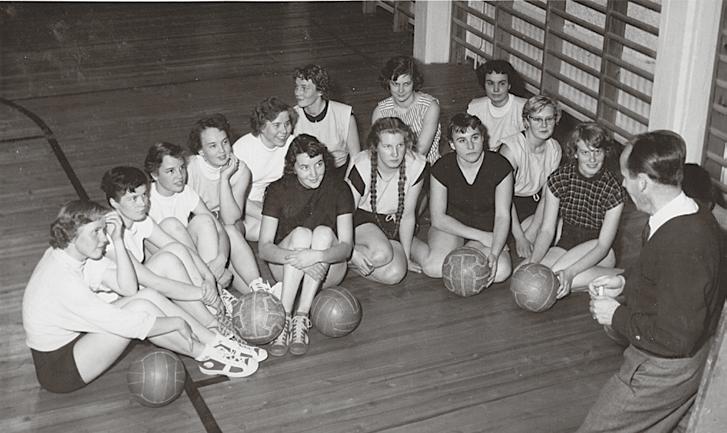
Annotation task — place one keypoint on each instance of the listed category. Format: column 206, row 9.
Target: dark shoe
column 299, row 334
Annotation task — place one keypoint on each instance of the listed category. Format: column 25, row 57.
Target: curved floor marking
column 55, row 147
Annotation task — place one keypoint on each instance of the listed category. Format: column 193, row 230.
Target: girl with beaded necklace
column 386, row 180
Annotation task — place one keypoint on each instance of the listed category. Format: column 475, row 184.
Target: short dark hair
column 70, row 218
column 461, row 121
column 309, row 145
column 121, row 180
column 660, row 155
column 158, row 151
column 593, row 135
column 317, row 75
column 498, row 66
column 266, row 111
column 216, row 120
column 698, row 185
column 397, row 66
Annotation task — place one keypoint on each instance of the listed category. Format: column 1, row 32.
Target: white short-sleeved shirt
column 387, row 191
column 532, row 169
column 500, row 122
column 179, row 205
column 332, row 130
column 265, row 164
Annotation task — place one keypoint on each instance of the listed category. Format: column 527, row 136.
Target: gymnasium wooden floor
column 99, row 83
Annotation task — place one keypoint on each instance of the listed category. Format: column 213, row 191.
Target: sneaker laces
column 299, row 328
column 282, row 338
column 260, row 285
column 230, row 353
column 228, row 301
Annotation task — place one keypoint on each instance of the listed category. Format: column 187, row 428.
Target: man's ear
column 644, row 181
column 113, row 203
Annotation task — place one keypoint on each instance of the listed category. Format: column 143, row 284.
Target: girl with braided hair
column 386, row 181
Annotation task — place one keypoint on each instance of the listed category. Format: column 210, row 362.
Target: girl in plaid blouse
column 587, row 199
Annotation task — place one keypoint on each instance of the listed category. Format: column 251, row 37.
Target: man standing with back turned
column 671, row 297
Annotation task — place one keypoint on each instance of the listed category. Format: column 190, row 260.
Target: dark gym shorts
column 573, row 235
column 57, row 370
column 386, row 222
column 526, row 206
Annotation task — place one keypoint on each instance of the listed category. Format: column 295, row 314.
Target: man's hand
column 602, row 309
column 607, row 285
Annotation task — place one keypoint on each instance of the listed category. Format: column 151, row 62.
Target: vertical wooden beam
column 503, row 26
column 612, row 47
column 688, row 33
column 369, row 7
column 456, row 51
column 549, row 84
column 432, row 31
column 401, row 20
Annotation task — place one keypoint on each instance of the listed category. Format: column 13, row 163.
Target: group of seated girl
column 317, row 206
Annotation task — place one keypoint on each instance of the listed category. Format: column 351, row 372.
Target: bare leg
column 387, row 257
column 580, row 281
column 300, row 238
column 431, row 256
column 241, row 255
column 95, row 352
column 203, row 230
column 169, row 266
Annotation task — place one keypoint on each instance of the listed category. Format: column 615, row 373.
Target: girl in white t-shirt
column 534, row 154
column 499, row 110
column 75, row 335
column 262, row 156
column 219, row 178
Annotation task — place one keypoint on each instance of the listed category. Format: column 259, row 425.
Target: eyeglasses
column 543, row 120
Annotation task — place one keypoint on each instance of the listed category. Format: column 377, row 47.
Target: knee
column 392, row 274
column 166, row 263
column 609, row 261
column 432, row 268
column 175, row 248
column 301, row 237
column 172, row 226
column 380, row 255
column 323, row 236
column 202, row 222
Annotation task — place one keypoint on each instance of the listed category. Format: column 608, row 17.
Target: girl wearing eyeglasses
column 533, row 154
column 586, row 196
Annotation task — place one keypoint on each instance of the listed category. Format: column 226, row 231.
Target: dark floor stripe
column 190, row 387
column 16, row 139
column 203, row 411
column 80, row 191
